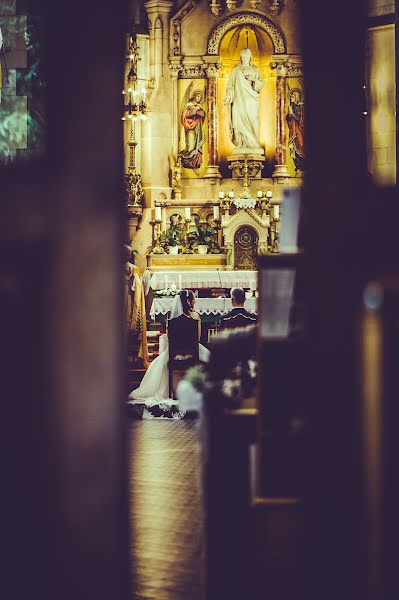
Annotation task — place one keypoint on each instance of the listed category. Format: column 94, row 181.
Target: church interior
column 199, row 299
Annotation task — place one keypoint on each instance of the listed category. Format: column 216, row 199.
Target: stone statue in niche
column 192, row 118
column 242, row 101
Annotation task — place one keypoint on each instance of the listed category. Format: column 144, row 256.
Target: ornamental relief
column 247, row 19
column 192, row 72
column 218, row 7
column 176, row 23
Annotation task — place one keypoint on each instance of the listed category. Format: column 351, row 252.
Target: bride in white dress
column 154, row 388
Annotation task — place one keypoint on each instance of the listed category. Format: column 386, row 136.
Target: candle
column 215, row 212
column 221, row 194
column 252, row 285
column 187, row 212
column 180, row 282
column 269, row 194
column 164, row 219
column 143, row 94
column 231, row 194
column 260, row 194
column 276, row 212
column 158, row 214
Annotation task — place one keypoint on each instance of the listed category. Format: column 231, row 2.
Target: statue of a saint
column 192, row 119
column 242, row 100
column 295, row 120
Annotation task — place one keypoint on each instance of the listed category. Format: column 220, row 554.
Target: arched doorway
column 245, row 248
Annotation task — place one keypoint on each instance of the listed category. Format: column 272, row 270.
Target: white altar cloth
column 205, row 279
column 204, row 306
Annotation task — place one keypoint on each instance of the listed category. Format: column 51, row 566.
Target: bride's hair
column 186, row 296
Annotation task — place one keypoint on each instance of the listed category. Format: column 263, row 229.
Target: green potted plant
column 202, row 238
column 171, row 239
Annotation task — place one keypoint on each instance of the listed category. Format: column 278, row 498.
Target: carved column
column 212, row 67
column 280, row 169
column 175, row 67
column 158, row 14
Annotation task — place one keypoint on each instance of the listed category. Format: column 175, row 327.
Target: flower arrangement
column 168, row 292
column 231, row 390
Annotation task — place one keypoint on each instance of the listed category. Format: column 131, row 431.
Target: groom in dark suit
column 238, row 316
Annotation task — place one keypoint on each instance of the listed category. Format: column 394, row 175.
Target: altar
column 204, row 279
column 193, row 262
column 209, row 309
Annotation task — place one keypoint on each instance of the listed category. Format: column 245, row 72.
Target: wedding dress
column 153, row 392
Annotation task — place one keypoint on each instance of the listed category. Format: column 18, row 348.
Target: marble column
column 212, row 69
column 280, row 168
column 159, row 128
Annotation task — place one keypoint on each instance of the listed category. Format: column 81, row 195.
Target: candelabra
column 156, row 223
column 134, row 107
column 135, row 104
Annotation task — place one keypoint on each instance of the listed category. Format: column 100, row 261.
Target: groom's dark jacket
column 237, row 317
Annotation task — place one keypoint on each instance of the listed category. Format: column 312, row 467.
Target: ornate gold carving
column 247, row 19
column 276, row 7
column 245, row 248
column 192, row 72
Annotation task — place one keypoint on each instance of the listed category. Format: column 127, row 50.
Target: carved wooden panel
column 245, row 248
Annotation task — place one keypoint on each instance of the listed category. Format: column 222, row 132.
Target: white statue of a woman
column 242, row 100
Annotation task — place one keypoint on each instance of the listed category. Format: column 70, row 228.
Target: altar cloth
column 204, row 306
column 204, row 279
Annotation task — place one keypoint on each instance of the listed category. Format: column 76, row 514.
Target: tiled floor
column 167, row 541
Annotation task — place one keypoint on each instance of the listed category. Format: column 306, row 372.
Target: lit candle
column 164, row 219
column 269, row 194
column 221, row 194
column 231, row 194
column 276, row 212
column 158, row 214
column 215, row 212
column 260, row 194
column 180, row 282
column 187, row 212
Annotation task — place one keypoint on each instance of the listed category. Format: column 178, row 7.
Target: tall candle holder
column 156, row 223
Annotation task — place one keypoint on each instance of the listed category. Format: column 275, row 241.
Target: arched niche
column 253, row 20
column 258, row 40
